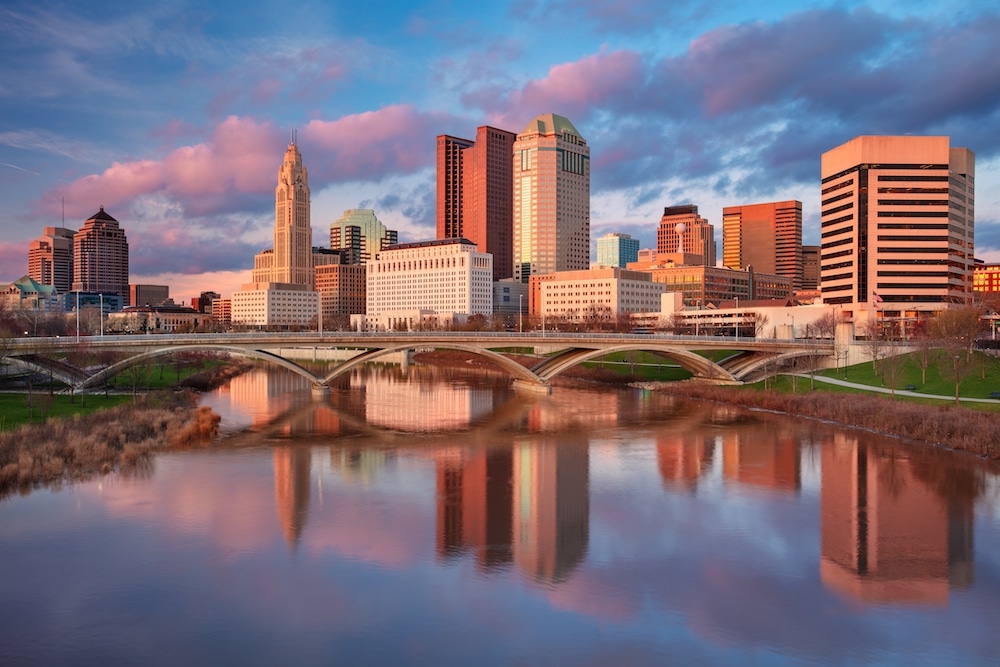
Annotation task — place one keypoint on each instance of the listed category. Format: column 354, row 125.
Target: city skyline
column 755, row 96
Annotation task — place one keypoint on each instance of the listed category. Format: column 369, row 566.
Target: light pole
column 102, row 312
column 78, row 316
column 520, row 309
column 737, row 318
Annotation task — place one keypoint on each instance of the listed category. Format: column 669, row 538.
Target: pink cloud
column 240, row 158
column 373, row 144
column 572, row 89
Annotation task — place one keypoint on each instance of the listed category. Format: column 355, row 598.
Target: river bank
column 120, row 438
column 951, row 427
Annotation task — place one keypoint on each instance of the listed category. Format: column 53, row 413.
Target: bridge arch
column 251, row 353
column 57, row 370
column 690, row 361
column 517, row 370
column 762, row 361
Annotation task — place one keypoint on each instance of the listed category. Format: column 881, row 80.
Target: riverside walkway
column 898, row 392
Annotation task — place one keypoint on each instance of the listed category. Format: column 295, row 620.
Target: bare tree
column 875, row 341
column 958, row 327
column 892, row 365
column 955, row 365
column 924, row 353
column 138, row 373
column 758, row 321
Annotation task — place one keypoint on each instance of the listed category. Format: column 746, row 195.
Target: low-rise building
column 443, row 276
column 701, row 285
column 277, row 305
column 156, row 319
column 599, row 294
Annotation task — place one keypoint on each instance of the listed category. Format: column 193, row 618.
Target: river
column 436, row 517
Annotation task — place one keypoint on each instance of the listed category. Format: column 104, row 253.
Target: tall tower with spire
column 292, row 262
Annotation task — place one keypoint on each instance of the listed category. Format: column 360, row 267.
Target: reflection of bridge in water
column 715, row 358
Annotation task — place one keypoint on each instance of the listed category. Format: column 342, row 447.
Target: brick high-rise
column 767, row 237
column 475, row 193
column 50, row 258
column 100, row 257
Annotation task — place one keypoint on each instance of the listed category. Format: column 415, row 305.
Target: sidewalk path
column 884, row 390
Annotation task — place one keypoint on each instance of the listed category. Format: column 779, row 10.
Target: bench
column 995, row 394
column 911, row 387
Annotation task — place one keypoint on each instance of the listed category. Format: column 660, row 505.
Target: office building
column 701, row 285
column 147, row 295
column 50, row 258
column 897, row 226
column 475, row 193
column 442, row 276
column 551, row 198
column 275, row 305
column 767, row 237
column 684, row 232
column 360, row 235
column 292, row 227
column 616, row 249
column 341, row 289
column 203, row 302
column 100, row 257
column 810, row 267
column 601, row 294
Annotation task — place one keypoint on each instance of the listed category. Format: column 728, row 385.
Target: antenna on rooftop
column 63, row 199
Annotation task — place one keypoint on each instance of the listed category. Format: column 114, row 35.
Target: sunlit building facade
column 275, row 305
column 50, row 258
column 100, row 257
column 446, row 275
column 475, row 193
column 767, row 237
column 897, row 221
column 616, row 249
column 360, row 235
column 682, row 230
column 551, row 198
column 603, row 293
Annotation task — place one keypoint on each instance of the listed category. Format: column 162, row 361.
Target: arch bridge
column 718, row 359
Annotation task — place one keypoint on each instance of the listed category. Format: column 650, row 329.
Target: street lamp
column 102, row 313
column 737, row 318
column 520, row 310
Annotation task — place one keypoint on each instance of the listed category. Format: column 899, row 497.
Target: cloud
column 750, row 107
column 372, row 145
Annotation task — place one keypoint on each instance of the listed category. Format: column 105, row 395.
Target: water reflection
column 619, row 526
column 893, row 530
column 888, row 533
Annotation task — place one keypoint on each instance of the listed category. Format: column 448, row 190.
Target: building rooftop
column 101, row 215
column 429, row 244
column 550, row 123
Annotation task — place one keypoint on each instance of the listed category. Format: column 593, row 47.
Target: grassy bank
column 949, row 426
column 19, row 409
column 121, row 439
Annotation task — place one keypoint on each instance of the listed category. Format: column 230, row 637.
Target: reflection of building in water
column 291, row 490
column 762, row 457
column 886, row 536
column 551, row 522
column 395, row 401
column 359, row 465
column 266, row 394
column 567, row 407
column 684, row 458
column 474, row 505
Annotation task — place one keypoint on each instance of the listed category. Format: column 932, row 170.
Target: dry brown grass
column 118, row 439
column 957, row 428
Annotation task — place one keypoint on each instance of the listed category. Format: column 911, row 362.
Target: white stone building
column 279, row 305
column 597, row 294
column 443, row 276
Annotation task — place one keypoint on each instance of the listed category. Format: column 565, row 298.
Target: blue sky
column 175, row 117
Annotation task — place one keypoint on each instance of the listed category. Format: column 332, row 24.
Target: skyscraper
column 682, row 230
column 897, row 225
column 50, row 258
column 551, row 198
column 292, row 229
column 100, row 257
column 767, row 237
column 475, row 193
column 616, row 249
column 360, row 235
